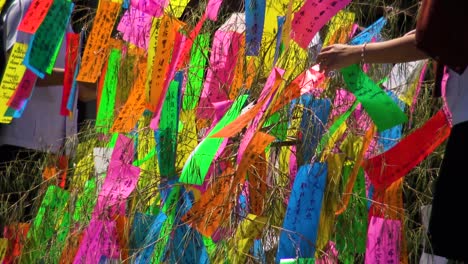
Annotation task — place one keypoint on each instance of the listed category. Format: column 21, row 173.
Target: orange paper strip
column 97, row 46
column 166, row 38
column 255, row 148
column 306, row 82
column 257, row 184
column 135, row 105
column 354, row 173
column 207, row 214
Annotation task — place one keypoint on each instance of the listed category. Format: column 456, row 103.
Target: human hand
column 337, row 56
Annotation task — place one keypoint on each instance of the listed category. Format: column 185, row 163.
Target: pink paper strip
column 120, row 182
column 255, row 123
column 343, row 101
column 330, row 256
column 443, row 87
column 309, row 81
column 136, row 27
column 212, row 9
column 124, row 150
column 220, row 72
column 312, row 16
column 23, row 91
column 151, row 7
column 383, row 241
column 100, row 238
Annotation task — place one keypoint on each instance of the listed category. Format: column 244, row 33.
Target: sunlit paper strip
column 384, row 112
column 312, row 16
column 220, row 72
column 302, row 215
column 197, row 165
column 11, row 79
column 254, row 20
column 409, row 152
column 96, row 49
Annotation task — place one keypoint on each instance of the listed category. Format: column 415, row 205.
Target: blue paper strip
column 368, row 33
column 140, row 228
column 314, row 119
column 279, row 35
column 297, row 240
column 144, row 256
column 254, row 20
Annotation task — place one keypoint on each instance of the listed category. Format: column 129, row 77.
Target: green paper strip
column 199, row 162
column 167, row 132
column 48, row 219
column 198, row 59
column 45, row 46
column 379, row 105
column 210, row 246
column 85, row 203
column 351, row 226
column 148, row 156
column 56, row 249
column 105, row 116
column 113, row 140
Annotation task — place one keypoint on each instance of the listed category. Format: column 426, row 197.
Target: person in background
column 40, row 133
column 446, row 229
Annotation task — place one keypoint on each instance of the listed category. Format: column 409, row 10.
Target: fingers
column 327, row 48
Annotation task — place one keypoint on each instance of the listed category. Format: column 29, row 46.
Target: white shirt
column 457, row 96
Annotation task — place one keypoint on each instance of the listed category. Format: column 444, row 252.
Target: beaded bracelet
column 363, row 52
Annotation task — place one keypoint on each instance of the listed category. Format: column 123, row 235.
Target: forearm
column 397, row 50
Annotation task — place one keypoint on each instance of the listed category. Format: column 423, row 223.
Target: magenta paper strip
column 120, row 182
column 100, row 238
column 312, row 16
column 220, row 72
column 274, row 75
column 212, row 9
column 136, row 27
column 343, row 101
column 124, row 150
column 383, row 241
column 152, row 7
column 23, row 91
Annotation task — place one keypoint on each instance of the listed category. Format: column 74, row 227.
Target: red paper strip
column 395, row 163
column 184, row 56
column 35, row 15
column 73, row 43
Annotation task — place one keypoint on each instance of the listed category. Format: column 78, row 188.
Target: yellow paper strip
column 176, row 7
column 330, row 202
column 3, row 247
column 248, row 230
column 13, row 74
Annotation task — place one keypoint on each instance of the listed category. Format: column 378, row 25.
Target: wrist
column 356, row 53
column 363, row 53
